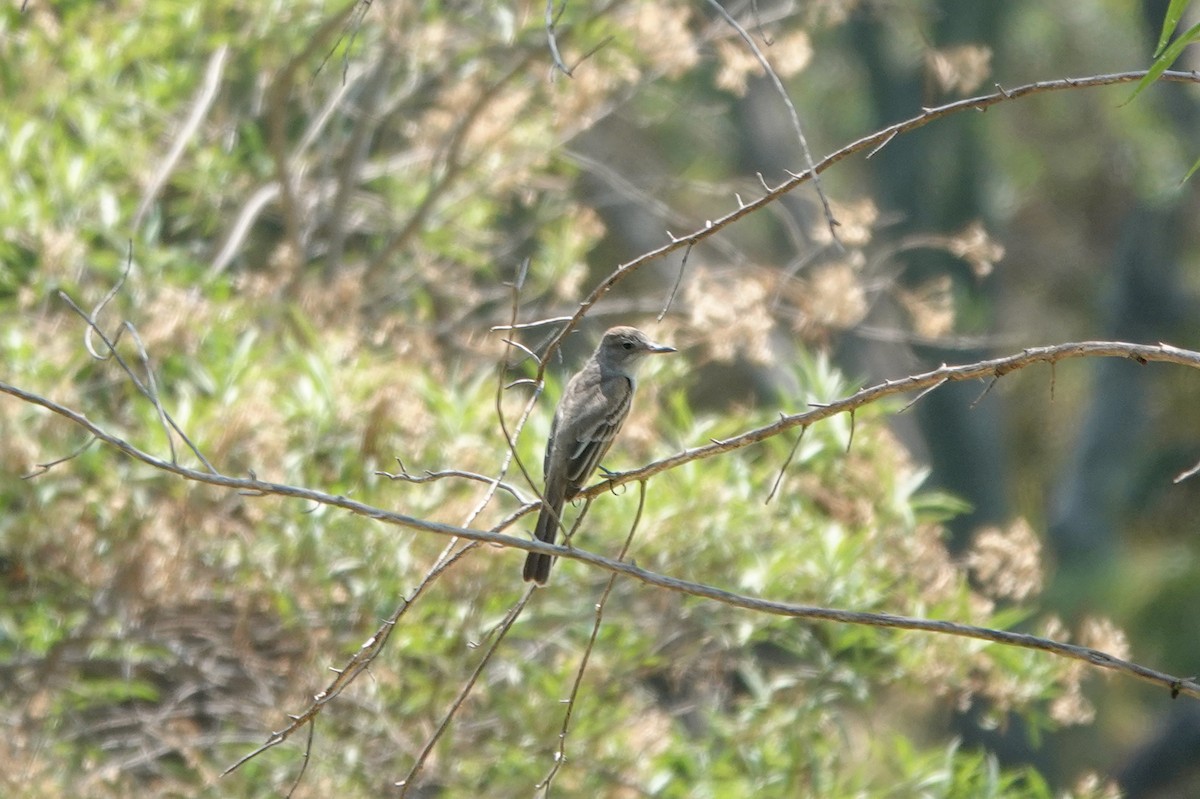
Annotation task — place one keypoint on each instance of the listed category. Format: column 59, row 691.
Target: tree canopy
column 288, row 292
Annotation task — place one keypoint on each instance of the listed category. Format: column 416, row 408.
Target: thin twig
column 805, row 152
column 786, row 464
column 203, row 102
column 866, row 143
column 986, row 390
column 312, row 729
column 510, row 439
column 560, row 756
column 922, row 395
column 152, row 389
column 591, row 52
column 147, row 389
column 518, row 345
column 92, row 326
column 553, row 320
column 569, row 534
column 353, row 25
column 1192, row 472
column 432, row 477
column 358, row 662
column 42, row 468
column 675, row 288
column 464, row 692
column 551, row 20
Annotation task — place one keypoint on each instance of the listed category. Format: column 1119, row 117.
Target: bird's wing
column 598, row 427
column 550, row 446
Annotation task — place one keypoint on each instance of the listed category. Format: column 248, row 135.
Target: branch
column 927, row 382
column 200, row 107
column 513, row 613
column 871, row 144
column 431, row 477
column 277, row 117
column 560, row 757
column 358, row 663
column 991, row 368
column 794, row 116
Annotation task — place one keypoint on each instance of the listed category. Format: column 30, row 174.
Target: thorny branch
column 869, row 144
column 357, row 664
column 990, row 369
column 792, row 114
column 560, row 757
column 997, row 367
column 465, row 691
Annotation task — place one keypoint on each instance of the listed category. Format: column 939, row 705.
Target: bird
column 588, row 417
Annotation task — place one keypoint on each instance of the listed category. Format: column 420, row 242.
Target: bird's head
column 626, row 346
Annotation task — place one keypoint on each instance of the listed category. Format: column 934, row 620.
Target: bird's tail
column 537, row 565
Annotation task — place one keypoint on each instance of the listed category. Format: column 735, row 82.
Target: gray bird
column 590, row 414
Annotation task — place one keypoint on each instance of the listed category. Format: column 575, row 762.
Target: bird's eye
column 627, row 345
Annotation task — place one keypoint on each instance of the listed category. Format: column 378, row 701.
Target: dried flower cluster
column 1007, row 563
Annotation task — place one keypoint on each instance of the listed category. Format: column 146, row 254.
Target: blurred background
column 326, row 206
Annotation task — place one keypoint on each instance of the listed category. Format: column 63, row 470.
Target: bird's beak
column 655, row 349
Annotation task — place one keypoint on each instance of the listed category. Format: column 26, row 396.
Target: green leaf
column 1191, row 171
column 1170, row 22
column 1167, row 58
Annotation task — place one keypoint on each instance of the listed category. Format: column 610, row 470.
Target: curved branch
column 871, row 144
column 994, row 368
column 991, row 368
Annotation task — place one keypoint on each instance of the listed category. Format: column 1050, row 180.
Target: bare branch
column 353, row 25
column 148, row 389
column 432, row 477
column 551, row 19
column 786, row 463
column 510, row 439
column 465, row 691
column 203, row 102
column 553, row 320
column 1163, row 353
column 560, row 756
column 990, row 368
column 986, row 390
column 678, row 281
column 42, row 468
column 570, row 534
column 519, row 346
column 865, row 144
column 926, row 392
column 1192, row 472
column 91, row 318
column 358, row 663
column 151, row 392
column 795, row 117
column 996, row 367
column 312, row 728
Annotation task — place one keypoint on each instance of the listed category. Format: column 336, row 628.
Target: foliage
column 311, row 334
column 1167, row 52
